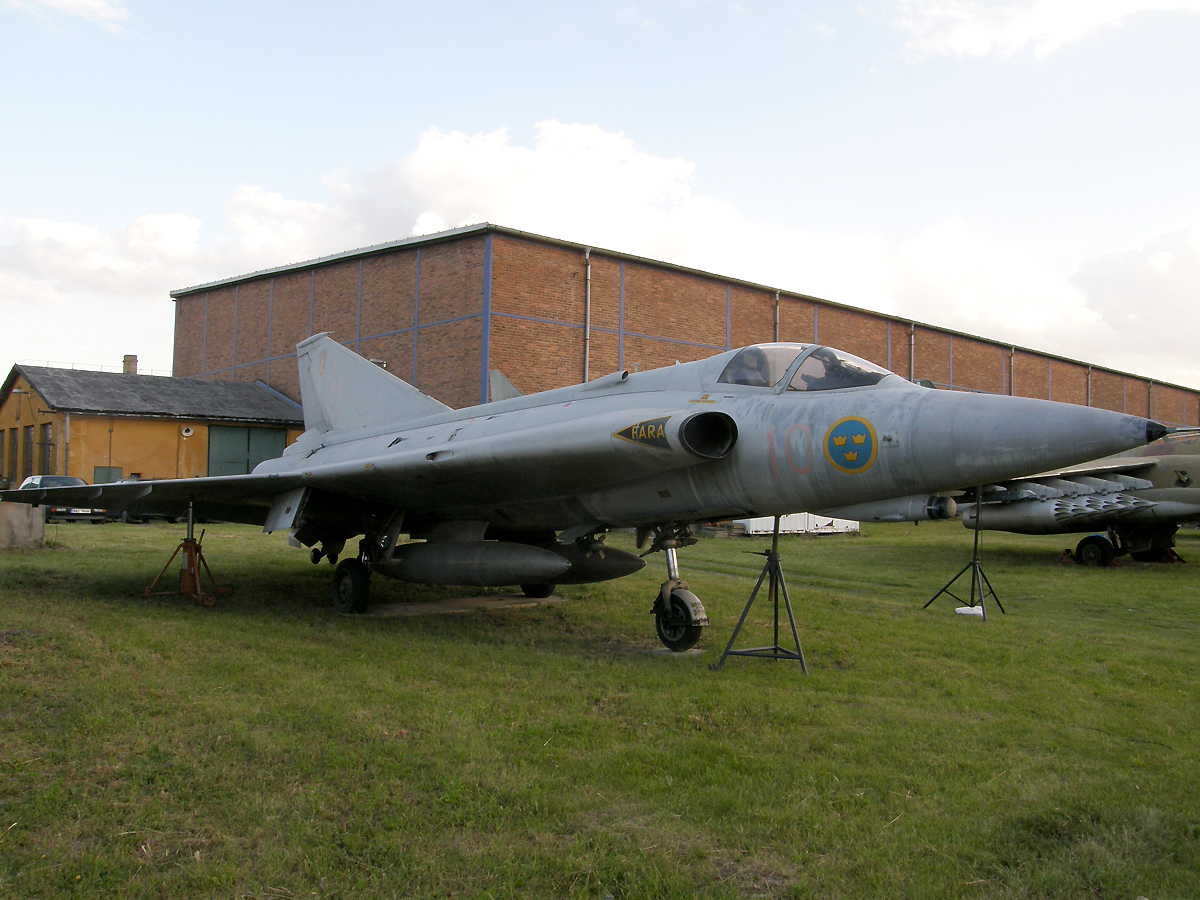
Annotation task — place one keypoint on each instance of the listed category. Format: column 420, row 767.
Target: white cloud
column 1150, row 295
column 575, row 180
column 583, row 184
column 981, row 28
column 76, row 258
column 71, row 292
column 100, row 11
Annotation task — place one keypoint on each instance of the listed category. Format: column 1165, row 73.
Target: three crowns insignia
column 850, row 451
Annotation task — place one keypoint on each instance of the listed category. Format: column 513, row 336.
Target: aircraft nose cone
column 977, row 438
column 1154, row 431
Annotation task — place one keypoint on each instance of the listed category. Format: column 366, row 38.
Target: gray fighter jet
column 522, row 491
column 1139, row 499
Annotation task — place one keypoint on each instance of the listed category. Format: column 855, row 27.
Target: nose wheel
column 679, row 615
column 675, row 621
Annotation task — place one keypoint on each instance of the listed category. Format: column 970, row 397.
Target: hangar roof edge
column 480, row 229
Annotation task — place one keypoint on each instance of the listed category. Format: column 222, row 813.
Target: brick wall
column 1030, row 375
column 420, row 308
column 980, row 366
column 931, row 357
column 1108, row 391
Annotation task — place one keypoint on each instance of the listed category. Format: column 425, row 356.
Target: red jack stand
column 189, row 573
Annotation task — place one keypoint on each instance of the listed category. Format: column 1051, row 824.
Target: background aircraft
column 1139, row 498
column 522, row 491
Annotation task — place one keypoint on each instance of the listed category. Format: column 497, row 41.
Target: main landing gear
column 1145, row 544
column 351, row 578
column 678, row 613
column 351, row 586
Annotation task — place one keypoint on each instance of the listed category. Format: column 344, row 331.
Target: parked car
column 64, row 513
column 142, row 517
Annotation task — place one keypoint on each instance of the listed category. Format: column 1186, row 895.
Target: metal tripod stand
column 772, row 573
column 189, row 573
column 979, row 581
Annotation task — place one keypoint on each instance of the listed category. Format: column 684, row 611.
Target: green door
column 236, row 450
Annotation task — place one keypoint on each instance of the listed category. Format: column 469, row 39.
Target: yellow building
column 105, row 426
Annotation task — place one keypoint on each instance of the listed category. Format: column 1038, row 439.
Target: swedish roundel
column 850, row 445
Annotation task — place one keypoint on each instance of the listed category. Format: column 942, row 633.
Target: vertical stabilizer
column 500, row 388
column 340, row 390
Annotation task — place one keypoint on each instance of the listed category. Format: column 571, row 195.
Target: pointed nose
column 977, row 438
column 1154, row 431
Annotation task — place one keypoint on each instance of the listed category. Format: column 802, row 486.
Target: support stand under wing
column 772, row 573
column 980, row 586
column 189, row 572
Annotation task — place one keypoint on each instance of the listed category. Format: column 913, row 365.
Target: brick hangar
column 442, row 310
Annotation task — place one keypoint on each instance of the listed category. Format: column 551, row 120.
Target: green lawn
column 269, row 747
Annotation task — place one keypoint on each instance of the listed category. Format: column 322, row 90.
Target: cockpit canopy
column 826, row 369
column 821, row 369
column 761, row 366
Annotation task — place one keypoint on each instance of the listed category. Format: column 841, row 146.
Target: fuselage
column 816, row 429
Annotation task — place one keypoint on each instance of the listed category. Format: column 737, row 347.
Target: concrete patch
column 22, row 527
column 455, row 605
column 671, row 654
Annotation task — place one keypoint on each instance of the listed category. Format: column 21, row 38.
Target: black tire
column 537, row 591
column 351, row 586
column 1094, row 551
column 676, row 628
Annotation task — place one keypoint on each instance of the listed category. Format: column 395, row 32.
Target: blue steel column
column 621, row 325
column 728, row 314
column 204, row 340
column 416, row 315
column 236, row 297
column 270, row 313
column 358, row 324
column 486, row 331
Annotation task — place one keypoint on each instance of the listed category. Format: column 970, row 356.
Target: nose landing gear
column 679, row 615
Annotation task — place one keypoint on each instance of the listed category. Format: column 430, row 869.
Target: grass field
column 271, row 748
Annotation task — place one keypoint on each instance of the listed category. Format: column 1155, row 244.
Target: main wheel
column 537, row 591
column 351, row 586
column 676, row 627
column 1095, row 551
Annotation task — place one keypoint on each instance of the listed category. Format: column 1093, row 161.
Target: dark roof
column 115, row 394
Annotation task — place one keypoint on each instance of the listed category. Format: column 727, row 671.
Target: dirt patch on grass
column 456, row 605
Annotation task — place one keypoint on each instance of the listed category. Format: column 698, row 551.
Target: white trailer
column 798, row 523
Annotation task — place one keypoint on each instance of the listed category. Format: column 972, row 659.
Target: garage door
column 236, row 450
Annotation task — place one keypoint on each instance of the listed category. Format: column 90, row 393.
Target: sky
column 1027, row 170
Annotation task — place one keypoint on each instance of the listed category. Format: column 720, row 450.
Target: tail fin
column 340, row 390
column 500, row 388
